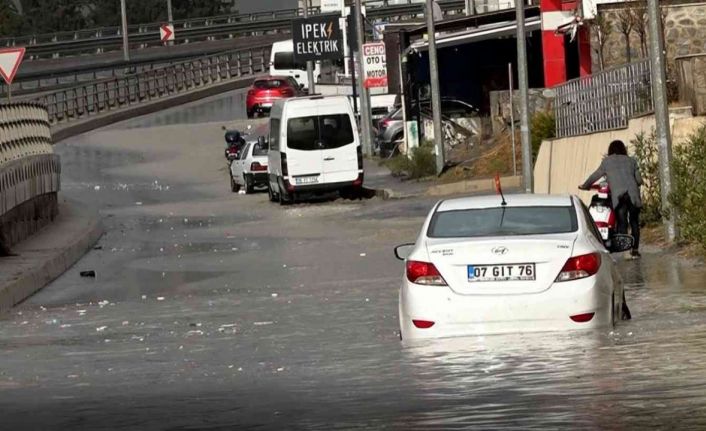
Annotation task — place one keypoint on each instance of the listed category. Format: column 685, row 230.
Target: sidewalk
column 48, row 253
column 379, row 178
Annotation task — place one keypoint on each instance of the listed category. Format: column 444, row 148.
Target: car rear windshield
column 259, row 151
column 319, row 132
column 506, row 221
column 268, row 84
column 285, row 61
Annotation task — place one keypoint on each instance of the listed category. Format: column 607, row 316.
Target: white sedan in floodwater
column 527, row 263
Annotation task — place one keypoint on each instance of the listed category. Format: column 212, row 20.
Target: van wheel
column 234, row 187
column 249, row 186
column 284, row 197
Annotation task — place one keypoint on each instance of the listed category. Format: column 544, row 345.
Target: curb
column 52, row 266
column 460, row 187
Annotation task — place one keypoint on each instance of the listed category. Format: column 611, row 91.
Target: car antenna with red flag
column 499, row 189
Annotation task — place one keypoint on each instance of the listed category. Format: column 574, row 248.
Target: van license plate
column 513, row 272
column 306, row 180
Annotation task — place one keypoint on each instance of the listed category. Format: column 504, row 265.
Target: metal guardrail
column 28, row 166
column 92, row 98
column 209, row 28
column 603, row 101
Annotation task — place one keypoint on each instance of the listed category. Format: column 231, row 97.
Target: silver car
column 390, row 130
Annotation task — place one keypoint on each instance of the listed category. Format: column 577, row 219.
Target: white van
column 314, row 148
column 282, row 63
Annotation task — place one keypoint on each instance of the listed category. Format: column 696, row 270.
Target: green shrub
column 421, row 163
column 646, row 154
column 689, row 187
column 543, row 126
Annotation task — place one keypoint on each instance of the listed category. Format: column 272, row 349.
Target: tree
column 626, row 22
column 11, row 22
column 639, row 13
column 47, row 16
column 602, row 31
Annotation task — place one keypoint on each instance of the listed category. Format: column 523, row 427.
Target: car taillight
column 603, row 188
column 424, row 273
column 601, row 224
column 580, row 267
column 256, row 166
column 285, row 170
column 360, row 157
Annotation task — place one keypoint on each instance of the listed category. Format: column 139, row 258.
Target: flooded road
column 212, row 310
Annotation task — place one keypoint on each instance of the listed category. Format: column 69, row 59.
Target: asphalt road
column 212, row 310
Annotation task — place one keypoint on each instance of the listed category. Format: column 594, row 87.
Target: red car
column 264, row 91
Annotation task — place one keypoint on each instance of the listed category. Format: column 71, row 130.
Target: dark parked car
column 390, row 130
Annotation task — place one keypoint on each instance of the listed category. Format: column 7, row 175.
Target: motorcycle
column 601, row 210
column 235, row 141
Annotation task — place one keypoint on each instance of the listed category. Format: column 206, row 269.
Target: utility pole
column 126, row 48
column 512, row 119
column 170, row 19
column 365, row 116
column 659, row 94
column 522, row 86
column 469, row 7
column 435, row 91
column 309, row 65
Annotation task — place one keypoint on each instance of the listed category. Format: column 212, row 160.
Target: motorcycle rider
column 624, row 180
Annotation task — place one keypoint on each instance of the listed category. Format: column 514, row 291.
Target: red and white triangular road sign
column 10, row 59
column 166, row 32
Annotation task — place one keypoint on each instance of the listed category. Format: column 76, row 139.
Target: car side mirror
column 403, row 251
column 619, row 243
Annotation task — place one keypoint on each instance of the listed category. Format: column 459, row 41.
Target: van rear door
column 302, row 149
column 338, row 145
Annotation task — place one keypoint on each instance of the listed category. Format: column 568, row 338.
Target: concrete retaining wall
column 29, row 173
column 563, row 164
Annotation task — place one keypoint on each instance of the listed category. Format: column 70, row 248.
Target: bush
column 689, row 188
column 646, row 154
column 543, row 126
column 422, row 163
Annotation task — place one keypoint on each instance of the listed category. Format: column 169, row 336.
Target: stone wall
column 684, row 29
column 539, row 100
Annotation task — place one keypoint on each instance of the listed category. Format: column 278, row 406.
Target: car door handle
column 328, row 159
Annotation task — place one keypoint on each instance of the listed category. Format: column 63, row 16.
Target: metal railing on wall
column 95, row 97
column 603, row 101
column 28, row 166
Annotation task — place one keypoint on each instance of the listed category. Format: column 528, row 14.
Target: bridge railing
column 93, row 98
column 29, row 171
column 603, row 101
column 207, row 28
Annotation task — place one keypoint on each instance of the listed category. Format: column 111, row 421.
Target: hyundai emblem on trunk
column 499, row 250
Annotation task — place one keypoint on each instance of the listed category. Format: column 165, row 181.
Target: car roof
column 513, row 200
column 273, row 77
column 320, row 101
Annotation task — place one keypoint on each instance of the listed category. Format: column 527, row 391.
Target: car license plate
column 512, row 272
column 266, row 105
column 313, row 179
